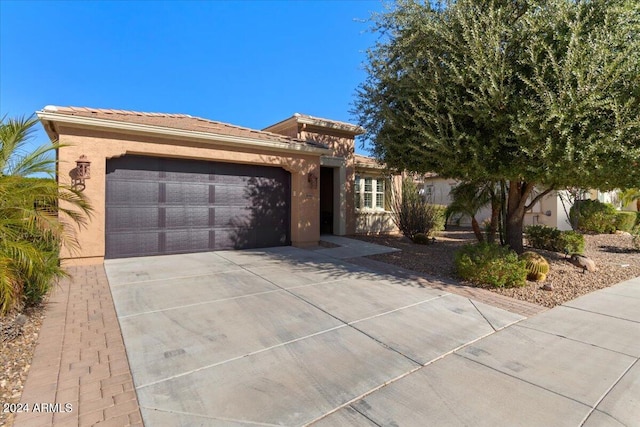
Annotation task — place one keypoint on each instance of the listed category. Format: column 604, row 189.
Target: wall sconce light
column 547, row 213
column 81, row 172
column 312, row 179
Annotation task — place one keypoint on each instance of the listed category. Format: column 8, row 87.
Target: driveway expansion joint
column 595, row 405
column 522, row 379
column 598, row 313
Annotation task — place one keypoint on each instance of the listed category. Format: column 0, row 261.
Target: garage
column 157, row 206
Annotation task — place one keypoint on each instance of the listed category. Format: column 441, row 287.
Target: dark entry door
column 326, row 200
column 166, row 206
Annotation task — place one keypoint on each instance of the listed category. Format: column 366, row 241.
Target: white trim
column 340, row 200
column 92, row 122
column 374, row 193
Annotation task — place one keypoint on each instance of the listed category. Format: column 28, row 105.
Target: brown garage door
column 166, row 206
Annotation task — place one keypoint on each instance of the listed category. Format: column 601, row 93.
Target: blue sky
column 249, row 63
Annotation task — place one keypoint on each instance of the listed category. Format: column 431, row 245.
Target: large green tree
column 540, row 94
column 32, row 224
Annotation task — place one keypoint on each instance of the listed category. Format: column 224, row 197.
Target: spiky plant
column 32, row 224
column 537, row 266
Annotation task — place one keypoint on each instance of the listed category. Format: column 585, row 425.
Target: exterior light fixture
column 81, row 173
column 312, row 178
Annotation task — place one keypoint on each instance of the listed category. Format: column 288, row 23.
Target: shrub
column 593, row 216
column 625, row 221
column 490, row 264
column 413, row 215
column 636, row 237
column 421, row 239
column 537, row 266
column 570, row 242
column 46, row 271
column 552, row 239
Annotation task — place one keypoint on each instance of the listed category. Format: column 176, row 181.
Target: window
column 369, row 193
column 428, row 192
column 380, row 194
column 357, row 191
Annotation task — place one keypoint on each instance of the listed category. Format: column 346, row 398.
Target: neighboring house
column 173, row 183
column 552, row 210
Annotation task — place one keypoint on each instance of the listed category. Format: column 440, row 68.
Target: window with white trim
column 428, row 192
column 370, row 192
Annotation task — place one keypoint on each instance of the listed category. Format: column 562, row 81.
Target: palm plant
column 32, row 223
column 629, row 196
column 468, row 199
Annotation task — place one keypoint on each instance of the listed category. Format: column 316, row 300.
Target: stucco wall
column 550, row 212
column 375, row 223
column 440, row 195
column 372, row 221
column 342, row 146
column 99, row 146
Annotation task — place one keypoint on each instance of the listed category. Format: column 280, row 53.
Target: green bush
column 552, row 239
column 638, row 218
column 490, row 264
column 571, row 242
column 413, row 215
column 46, row 272
column 636, row 237
column 440, row 212
column 593, row 216
column 625, row 221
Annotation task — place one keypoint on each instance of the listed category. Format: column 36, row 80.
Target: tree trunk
column 495, row 218
column 503, row 212
column 476, row 229
column 638, row 205
column 518, row 193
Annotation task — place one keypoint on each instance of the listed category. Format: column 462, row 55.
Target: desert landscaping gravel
column 613, row 254
column 15, row 357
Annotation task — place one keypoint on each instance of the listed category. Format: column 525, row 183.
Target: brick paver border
column 80, row 359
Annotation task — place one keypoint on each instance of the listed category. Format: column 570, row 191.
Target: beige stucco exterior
column 340, row 139
column 316, row 143
column 99, row 146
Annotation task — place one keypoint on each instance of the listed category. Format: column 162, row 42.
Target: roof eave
column 343, row 127
column 297, row 119
column 92, row 122
column 370, row 166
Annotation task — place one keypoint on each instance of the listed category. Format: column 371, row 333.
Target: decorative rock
column 586, row 264
column 13, row 329
column 547, row 287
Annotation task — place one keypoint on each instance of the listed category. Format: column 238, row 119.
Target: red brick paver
column 80, row 359
column 513, row 305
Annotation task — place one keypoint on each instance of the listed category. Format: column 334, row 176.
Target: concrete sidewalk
column 574, row 365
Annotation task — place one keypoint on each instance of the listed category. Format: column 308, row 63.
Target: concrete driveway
column 285, row 336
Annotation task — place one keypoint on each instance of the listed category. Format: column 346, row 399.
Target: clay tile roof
column 365, row 160
column 178, row 121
